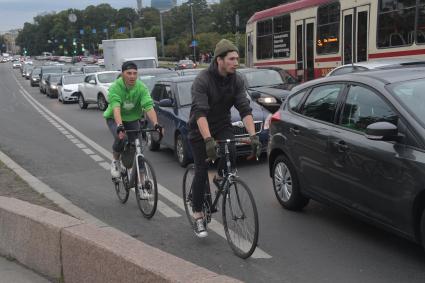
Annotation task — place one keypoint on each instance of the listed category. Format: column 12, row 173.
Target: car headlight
column 54, row 87
column 267, row 122
column 267, row 100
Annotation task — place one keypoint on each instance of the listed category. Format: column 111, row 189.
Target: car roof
column 385, row 76
column 379, row 63
column 153, row 71
column 178, row 79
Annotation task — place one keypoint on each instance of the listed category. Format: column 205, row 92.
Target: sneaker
column 200, row 229
column 115, row 169
column 143, row 194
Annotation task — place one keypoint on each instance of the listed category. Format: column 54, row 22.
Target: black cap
column 128, row 65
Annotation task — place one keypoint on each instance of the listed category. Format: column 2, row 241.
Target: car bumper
column 70, row 97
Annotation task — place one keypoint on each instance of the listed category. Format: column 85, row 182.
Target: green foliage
column 55, row 33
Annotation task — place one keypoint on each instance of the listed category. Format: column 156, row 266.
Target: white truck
column 142, row 51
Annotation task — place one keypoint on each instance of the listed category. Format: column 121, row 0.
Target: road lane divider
column 215, row 225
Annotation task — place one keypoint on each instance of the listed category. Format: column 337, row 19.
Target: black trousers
column 199, row 185
column 118, row 145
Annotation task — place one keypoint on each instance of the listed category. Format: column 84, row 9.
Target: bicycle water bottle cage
column 127, row 155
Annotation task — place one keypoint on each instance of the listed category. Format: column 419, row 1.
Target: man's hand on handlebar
column 120, row 131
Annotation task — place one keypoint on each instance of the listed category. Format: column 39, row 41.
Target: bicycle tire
column 188, row 176
column 240, row 203
column 121, row 187
column 147, row 206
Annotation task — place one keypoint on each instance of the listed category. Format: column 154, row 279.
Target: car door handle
column 342, row 146
column 294, row 131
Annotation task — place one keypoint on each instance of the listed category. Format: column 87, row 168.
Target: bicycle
column 133, row 165
column 238, row 205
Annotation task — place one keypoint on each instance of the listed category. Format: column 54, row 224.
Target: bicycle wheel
column 148, row 199
column 188, row 176
column 240, row 219
column 121, row 187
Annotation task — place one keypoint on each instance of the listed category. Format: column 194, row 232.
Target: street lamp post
column 162, row 34
column 193, row 32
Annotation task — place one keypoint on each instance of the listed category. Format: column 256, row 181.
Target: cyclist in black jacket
column 214, row 92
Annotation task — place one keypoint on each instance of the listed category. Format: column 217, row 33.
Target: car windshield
column 54, row 79
column 148, row 63
column 150, row 80
column 263, row 78
column 107, row 77
column 36, row 71
column 91, row 69
column 412, row 96
column 184, row 90
column 69, row 80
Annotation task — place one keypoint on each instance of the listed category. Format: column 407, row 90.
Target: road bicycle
column 239, row 211
column 138, row 173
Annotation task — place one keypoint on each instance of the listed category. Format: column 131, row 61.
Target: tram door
column 356, row 29
column 249, row 51
column 305, row 49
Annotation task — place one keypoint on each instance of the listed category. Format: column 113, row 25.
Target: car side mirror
column 382, row 131
column 168, row 102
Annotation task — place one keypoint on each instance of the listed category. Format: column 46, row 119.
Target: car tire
column 102, row 104
column 286, row 185
column 423, row 229
column 82, row 102
column 180, row 151
column 152, row 145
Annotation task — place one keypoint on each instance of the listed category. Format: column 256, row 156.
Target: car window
column 87, row 79
column 156, row 92
column 321, row 103
column 364, row 107
column 295, row 100
column 412, row 96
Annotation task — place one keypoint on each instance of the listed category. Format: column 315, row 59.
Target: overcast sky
column 14, row 13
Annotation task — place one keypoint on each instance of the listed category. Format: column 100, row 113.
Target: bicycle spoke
column 240, row 219
column 146, row 189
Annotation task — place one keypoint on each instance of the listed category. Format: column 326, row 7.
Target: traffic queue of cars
column 354, row 139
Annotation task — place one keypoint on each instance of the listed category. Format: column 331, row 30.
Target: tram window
column 328, row 28
column 396, row 23
column 265, row 39
column 281, row 36
column 420, row 32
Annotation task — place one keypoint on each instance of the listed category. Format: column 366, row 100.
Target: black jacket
column 213, row 96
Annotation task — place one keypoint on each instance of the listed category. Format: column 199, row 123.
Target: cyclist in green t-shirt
column 128, row 100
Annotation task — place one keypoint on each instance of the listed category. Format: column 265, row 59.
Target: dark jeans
column 201, row 167
column 118, row 145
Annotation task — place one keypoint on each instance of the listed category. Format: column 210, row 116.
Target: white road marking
column 96, row 157
column 105, row 165
column 87, row 151
column 176, row 200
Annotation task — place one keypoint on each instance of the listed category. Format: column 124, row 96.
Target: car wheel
column 152, row 145
column 286, row 185
column 81, row 102
column 180, row 151
column 101, row 102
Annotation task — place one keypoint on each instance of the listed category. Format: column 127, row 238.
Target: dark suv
column 356, row 141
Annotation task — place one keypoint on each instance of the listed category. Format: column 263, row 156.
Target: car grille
column 240, row 131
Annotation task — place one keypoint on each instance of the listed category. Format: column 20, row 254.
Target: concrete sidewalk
column 10, row 271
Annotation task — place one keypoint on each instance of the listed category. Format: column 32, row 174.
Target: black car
column 35, row 76
column 52, row 81
column 173, row 100
column 266, row 87
column 356, row 141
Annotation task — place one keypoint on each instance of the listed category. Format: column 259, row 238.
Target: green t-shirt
column 133, row 102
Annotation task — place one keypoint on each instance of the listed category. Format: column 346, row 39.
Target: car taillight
column 276, row 117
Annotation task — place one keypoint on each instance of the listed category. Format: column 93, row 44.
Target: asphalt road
column 65, row 148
